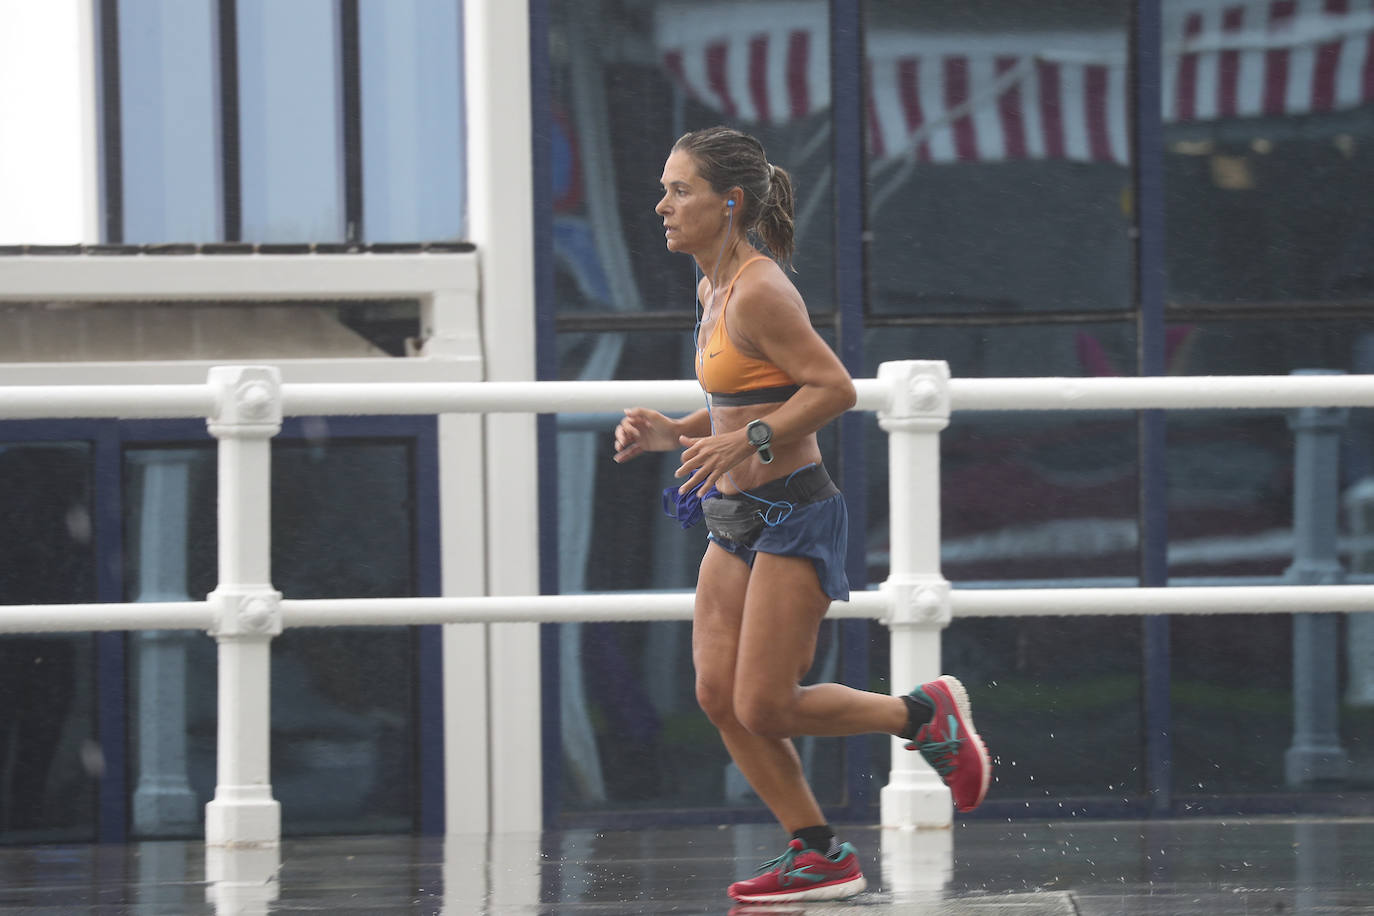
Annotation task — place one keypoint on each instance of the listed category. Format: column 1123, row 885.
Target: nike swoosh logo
column 805, row 873
column 715, row 354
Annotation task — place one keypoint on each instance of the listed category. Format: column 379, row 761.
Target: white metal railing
column 244, row 406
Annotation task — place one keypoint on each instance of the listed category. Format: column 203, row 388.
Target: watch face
column 759, row 433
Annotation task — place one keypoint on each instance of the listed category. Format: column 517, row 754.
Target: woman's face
column 694, row 216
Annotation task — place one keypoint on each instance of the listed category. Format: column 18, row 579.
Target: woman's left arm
column 779, row 328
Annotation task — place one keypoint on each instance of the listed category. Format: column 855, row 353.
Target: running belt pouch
column 733, row 520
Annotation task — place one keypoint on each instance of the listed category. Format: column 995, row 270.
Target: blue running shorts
column 818, row 531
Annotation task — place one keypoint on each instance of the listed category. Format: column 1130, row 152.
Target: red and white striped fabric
column 984, row 97
column 759, row 62
column 1012, row 98
column 1268, row 58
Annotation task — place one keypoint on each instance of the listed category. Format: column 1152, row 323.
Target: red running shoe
column 804, row 874
column 949, row 743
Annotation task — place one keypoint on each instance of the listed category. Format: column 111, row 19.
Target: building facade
column 1134, row 187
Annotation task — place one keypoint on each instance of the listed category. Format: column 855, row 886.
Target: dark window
column 50, row 760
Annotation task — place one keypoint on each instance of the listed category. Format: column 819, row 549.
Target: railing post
column 1316, row 754
column 917, row 593
column 248, row 411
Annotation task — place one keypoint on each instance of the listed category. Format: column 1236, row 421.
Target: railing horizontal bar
column 487, row 397
column 71, row 618
column 1244, row 599
column 400, row 398
column 628, row 606
column 650, row 606
column 1171, row 392
column 872, row 394
column 133, row 402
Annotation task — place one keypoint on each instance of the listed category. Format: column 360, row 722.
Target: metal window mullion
column 112, row 713
column 1147, row 124
column 111, row 123
column 350, row 67
column 429, row 653
column 847, row 91
column 231, row 171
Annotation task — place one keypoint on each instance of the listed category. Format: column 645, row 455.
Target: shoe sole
column 961, row 702
column 845, row 889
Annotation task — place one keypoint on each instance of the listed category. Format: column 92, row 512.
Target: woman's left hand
column 709, row 458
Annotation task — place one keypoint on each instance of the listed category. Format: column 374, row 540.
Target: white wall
column 501, row 222
column 48, row 149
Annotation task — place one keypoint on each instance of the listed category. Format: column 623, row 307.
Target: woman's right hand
column 644, row 430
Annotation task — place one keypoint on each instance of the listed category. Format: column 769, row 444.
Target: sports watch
column 760, row 434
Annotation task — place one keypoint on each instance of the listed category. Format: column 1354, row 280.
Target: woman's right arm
column 645, row 430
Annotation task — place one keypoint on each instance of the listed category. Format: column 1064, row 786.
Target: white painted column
column 49, row 187
column 501, row 221
column 247, row 415
column 163, row 800
column 451, row 329
column 916, row 591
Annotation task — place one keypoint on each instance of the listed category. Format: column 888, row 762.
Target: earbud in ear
column 729, row 203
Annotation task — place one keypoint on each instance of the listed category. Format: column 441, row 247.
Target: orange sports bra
column 730, row 377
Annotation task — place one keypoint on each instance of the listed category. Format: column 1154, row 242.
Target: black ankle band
column 818, row 838
column 918, row 713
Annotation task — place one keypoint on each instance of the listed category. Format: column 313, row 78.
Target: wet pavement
column 1017, row 868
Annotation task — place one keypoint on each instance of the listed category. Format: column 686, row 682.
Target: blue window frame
column 400, row 456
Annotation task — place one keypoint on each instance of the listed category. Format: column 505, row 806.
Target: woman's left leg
column 782, row 614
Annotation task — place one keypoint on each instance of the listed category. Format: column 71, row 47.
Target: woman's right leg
column 770, row 764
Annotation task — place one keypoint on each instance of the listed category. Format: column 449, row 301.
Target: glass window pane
column 412, row 111
column 342, row 743
column 290, row 114
column 1045, row 495
column 628, row 80
column 169, row 121
column 49, row 756
column 1267, row 147
column 998, row 157
column 1056, row 731
column 1231, row 472
column 1231, row 513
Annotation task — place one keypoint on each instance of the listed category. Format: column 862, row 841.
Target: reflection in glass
column 998, row 153
column 169, row 121
column 1231, row 689
column 1024, row 495
column 49, row 759
column 1268, row 161
column 1238, row 706
column 1268, row 144
column 617, row 113
column 1040, row 496
column 342, row 743
column 163, row 804
column 412, row 130
column 290, row 121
